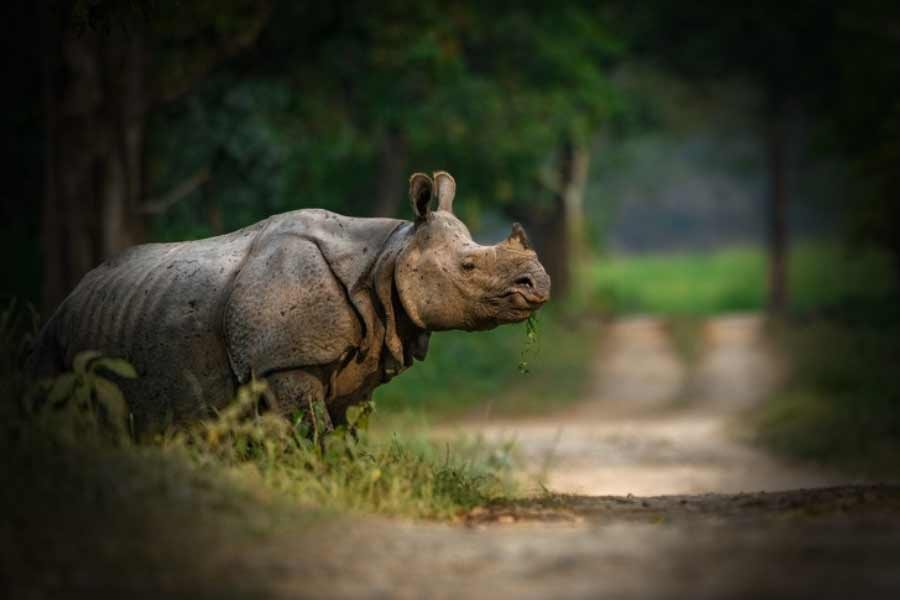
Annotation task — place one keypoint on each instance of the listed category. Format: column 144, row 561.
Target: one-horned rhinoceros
column 322, row 307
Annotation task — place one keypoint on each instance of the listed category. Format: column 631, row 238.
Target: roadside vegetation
column 349, row 471
column 840, row 403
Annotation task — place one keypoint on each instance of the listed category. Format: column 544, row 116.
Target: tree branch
column 158, row 206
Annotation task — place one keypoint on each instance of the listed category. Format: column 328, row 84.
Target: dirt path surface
column 652, row 425
column 653, row 498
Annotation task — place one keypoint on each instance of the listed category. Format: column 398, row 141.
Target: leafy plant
column 531, row 343
column 346, row 469
column 83, row 402
column 18, row 327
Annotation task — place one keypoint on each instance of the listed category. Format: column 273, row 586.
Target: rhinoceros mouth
column 524, row 298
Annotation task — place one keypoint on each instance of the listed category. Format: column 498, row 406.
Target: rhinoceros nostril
column 525, row 280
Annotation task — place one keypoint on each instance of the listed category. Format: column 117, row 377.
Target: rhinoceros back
column 160, row 306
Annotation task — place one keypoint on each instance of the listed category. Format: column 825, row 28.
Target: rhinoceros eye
column 468, row 265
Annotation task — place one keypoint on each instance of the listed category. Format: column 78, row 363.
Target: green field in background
column 734, row 279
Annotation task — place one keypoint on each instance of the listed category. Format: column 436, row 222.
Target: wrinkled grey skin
column 323, row 307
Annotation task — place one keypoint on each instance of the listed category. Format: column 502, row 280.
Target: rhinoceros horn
column 518, row 239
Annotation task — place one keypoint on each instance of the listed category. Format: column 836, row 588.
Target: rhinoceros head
column 447, row 281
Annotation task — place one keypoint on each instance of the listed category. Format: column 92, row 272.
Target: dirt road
column 654, row 497
column 652, row 424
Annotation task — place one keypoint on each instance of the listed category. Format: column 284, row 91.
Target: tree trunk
column 95, row 109
column 563, row 233
column 777, row 214
column 390, row 189
column 214, row 217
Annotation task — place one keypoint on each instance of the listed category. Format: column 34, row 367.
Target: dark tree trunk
column 563, row 231
column 214, row 217
column 390, row 188
column 777, row 214
column 554, row 250
column 98, row 89
column 94, row 105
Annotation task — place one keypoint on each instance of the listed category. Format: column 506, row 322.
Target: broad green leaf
column 119, row 366
column 82, row 397
column 39, row 389
column 62, row 387
column 362, row 423
column 110, row 396
column 82, row 359
column 353, row 414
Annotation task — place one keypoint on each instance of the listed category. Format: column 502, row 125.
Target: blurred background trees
column 595, row 124
column 106, row 66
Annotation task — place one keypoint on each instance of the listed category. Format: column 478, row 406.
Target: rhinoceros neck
column 400, row 245
column 402, row 332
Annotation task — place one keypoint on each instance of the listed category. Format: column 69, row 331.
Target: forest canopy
column 162, row 120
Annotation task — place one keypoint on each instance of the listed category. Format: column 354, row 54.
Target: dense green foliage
column 835, row 62
column 333, row 99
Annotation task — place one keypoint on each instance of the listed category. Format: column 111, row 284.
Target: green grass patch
column 395, row 475
column 483, row 372
column 821, row 274
column 392, row 475
column 723, row 281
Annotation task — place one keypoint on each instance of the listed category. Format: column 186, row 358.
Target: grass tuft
column 354, row 472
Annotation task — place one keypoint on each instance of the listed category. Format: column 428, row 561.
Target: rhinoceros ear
column 446, row 190
column 421, row 190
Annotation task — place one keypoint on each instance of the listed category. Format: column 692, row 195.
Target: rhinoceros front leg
column 301, row 392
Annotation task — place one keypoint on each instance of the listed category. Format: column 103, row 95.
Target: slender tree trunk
column 390, row 188
column 777, row 214
column 577, row 160
column 214, row 217
column 554, row 249
column 95, row 110
column 563, row 236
